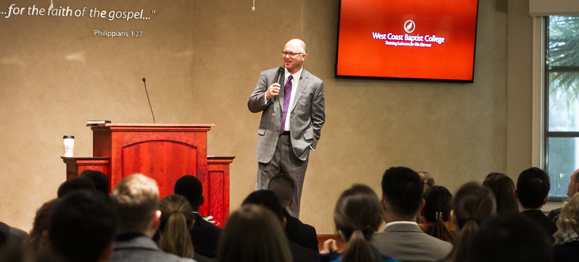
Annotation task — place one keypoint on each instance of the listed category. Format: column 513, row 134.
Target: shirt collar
column 297, row 75
column 400, row 223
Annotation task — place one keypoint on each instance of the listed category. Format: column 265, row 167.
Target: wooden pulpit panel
column 164, row 152
column 216, row 190
column 165, row 161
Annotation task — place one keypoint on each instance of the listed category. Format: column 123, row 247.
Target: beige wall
column 202, row 60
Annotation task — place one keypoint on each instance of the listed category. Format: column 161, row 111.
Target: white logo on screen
column 409, row 26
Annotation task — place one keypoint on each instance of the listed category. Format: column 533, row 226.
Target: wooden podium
column 164, row 152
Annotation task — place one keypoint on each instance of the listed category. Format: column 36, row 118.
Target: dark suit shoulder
column 205, row 237
column 300, row 233
column 302, row 254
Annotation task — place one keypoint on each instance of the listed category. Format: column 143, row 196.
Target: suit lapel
column 301, row 87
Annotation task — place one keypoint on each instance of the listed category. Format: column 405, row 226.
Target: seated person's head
column 176, row 221
column 437, row 204
column 82, row 227
column 267, row 199
column 253, row 234
column 511, row 238
column 568, row 222
column 502, row 187
column 37, row 240
column 100, row 180
column 436, row 211
column 190, row 187
column 472, row 204
column 137, row 198
column 401, row 193
column 427, row 179
column 357, row 215
column 284, row 188
column 77, row 183
column 533, row 187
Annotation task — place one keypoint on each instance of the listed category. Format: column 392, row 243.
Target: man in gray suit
column 137, row 199
column 291, row 100
column 402, row 239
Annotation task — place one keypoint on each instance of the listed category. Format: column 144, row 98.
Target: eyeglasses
column 290, row 54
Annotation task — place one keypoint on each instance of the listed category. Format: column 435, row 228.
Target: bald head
column 297, row 43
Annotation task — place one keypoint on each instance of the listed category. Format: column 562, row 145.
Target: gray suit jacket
column 141, row 249
column 407, row 242
column 306, row 119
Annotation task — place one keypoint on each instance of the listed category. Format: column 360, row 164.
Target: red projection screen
column 407, row 39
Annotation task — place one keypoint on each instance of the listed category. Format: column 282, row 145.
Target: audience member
column 510, row 238
column 436, row 213
column 472, row 204
column 37, row 240
column 302, row 234
column 268, row 199
column 567, row 235
column 532, row 193
column 77, row 183
column 571, row 190
column 253, row 234
column 100, row 180
column 82, row 227
column 136, row 198
column 205, row 235
column 427, row 179
column 176, row 220
column 502, row 187
column 402, row 239
column 10, row 236
column 357, row 215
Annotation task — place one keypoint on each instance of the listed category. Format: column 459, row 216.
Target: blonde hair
column 137, row 198
column 176, row 216
column 568, row 221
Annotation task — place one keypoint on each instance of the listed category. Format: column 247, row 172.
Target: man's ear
column 515, row 194
column 283, row 223
column 383, row 202
column 106, row 254
column 545, row 200
column 292, row 202
column 156, row 220
column 576, row 188
column 201, row 201
column 190, row 227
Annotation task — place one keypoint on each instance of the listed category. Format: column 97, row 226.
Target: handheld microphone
column 280, row 73
column 145, row 82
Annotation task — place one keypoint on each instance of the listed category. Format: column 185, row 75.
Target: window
column 561, row 76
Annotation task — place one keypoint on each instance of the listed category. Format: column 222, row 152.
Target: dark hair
column 35, row 240
column 511, row 238
column 82, row 226
column 100, row 180
column 253, row 234
column 266, row 198
column 472, row 204
column 502, row 187
column 533, row 187
column 284, row 187
column 437, row 210
column 75, row 184
column 176, row 216
column 402, row 188
column 358, row 214
column 190, row 187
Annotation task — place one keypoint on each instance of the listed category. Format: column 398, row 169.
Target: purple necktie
column 287, row 93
